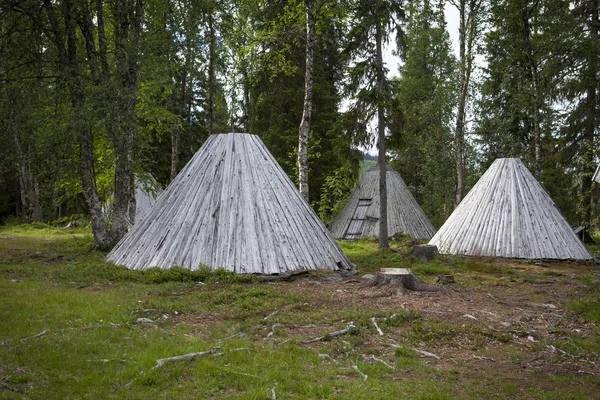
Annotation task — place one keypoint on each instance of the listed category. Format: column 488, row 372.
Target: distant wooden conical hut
column 146, row 192
column 508, row 213
column 360, row 216
column 231, row 207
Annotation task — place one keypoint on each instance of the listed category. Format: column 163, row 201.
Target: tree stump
column 401, row 278
column 425, row 252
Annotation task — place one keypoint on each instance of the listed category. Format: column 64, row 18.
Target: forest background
column 96, row 94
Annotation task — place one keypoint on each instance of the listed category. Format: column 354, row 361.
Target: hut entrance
column 356, row 225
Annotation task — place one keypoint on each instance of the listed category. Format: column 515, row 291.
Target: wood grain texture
column 231, row 207
column 508, row 213
column 360, row 216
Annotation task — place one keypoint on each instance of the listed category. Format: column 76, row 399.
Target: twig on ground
column 72, row 328
column 306, row 326
column 348, row 329
column 231, row 337
column 42, row 333
column 245, row 374
column 240, row 349
column 273, row 394
column 358, row 371
column 483, row 358
column 190, row 356
column 377, row 326
column 383, row 362
column 428, row 354
column 270, row 315
column 327, row 356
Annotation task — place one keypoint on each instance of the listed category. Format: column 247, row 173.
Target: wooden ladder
column 356, row 225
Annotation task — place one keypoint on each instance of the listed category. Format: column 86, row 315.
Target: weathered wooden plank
column 508, row 213
column 404, row 213
column 231, row 207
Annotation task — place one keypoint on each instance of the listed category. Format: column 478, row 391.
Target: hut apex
column 231, row 207
column 508, row 213
column 360, row 216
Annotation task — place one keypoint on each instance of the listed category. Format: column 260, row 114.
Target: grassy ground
column 505, row 329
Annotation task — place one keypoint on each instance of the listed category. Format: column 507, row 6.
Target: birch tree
column 307, row 108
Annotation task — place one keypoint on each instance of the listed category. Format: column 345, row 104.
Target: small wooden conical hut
column 360, row 216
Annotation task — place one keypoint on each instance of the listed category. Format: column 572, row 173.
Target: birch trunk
column 383, row 217
column 308, row 90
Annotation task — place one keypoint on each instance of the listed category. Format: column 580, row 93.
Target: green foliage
column 425, row 96
column 588, row 307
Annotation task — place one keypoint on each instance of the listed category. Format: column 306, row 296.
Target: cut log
column 400, row 278
column 425, row 252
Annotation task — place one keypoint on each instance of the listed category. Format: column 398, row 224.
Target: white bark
column 308, row 90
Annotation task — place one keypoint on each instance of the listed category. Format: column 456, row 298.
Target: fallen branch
column 71, row 328
column 273, row 394
column 348, row 329
column 240, row 349
column 42, row 333
column 190, row 356
column 327, row 356
column 284, row 342
column 232, row 336
column 358, row 371
column 270, row 315
column 106, row 360
column 377, row 326
column 245, row 374
column 483, row 358
column 428, row 354
column 383, row 362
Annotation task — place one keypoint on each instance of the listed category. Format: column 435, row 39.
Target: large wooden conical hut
column 231, row 207
column 360, row 216
column 508, row 213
